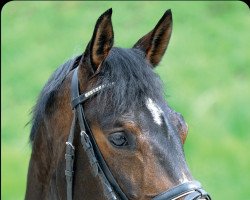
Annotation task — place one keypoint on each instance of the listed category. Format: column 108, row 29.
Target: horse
column 101, row 128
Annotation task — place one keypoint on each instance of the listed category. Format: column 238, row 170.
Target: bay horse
column 101, row 128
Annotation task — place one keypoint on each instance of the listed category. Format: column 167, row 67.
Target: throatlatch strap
column 69, row 157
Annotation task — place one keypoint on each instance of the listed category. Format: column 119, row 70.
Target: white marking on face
column 184, row 178
column 155, row 110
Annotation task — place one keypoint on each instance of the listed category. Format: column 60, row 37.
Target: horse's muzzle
column 191, row 190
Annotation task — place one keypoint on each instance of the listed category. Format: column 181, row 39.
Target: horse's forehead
column 155, row 111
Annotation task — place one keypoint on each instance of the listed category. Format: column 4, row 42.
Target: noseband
column 190, row 190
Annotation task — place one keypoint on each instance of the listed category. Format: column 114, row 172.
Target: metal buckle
column 86, row 140
column 71, row 145
column 83, row 133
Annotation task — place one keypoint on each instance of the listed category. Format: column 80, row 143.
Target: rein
column 191, row 190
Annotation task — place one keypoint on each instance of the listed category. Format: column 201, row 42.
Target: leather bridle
column 189, row 190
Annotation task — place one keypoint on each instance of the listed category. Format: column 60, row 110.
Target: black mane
column 47, row 94
column 133, row 77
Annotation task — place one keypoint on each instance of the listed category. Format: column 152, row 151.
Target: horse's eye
column 118, row 139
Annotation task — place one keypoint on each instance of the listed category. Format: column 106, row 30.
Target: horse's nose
column 191, row 190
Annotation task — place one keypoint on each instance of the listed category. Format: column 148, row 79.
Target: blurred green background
column 205, row 70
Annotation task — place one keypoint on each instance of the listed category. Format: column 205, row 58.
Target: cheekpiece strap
column 78, row 110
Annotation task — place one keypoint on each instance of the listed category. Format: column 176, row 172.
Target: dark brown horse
column 131, row 141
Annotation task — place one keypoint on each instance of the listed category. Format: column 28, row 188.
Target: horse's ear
column 101, row 42
column 155, row 43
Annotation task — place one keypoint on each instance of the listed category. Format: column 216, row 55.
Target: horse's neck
column 85, row 185
column 46, row 176
column 47, row 150
column 48, row 146
column 37, row 183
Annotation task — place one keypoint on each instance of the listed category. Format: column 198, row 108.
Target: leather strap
column 191, row 190
column 69, row 157
column 198, row 194
column 83, row 97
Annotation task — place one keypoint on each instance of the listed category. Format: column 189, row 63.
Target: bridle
column 190, row 190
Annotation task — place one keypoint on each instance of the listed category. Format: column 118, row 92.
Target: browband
column 83, row 97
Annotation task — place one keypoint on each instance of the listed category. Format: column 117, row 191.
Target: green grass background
column 205, row 70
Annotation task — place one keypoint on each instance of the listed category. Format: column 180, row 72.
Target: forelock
column 133, row 79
